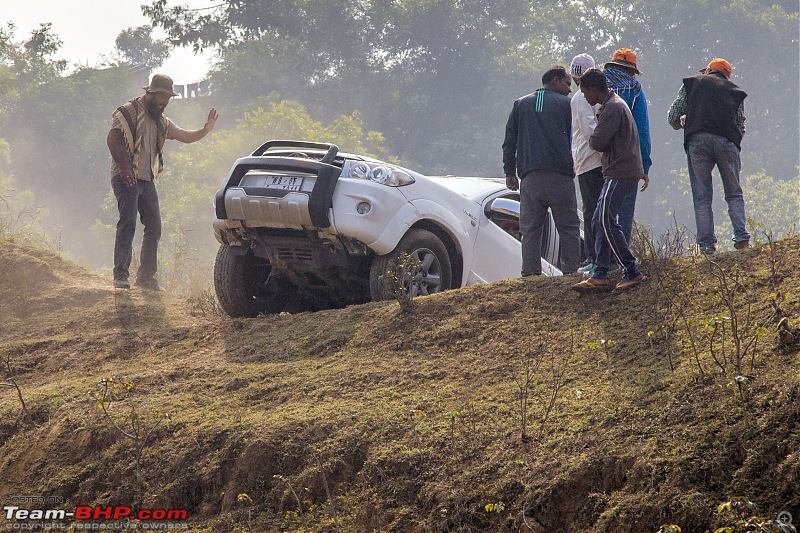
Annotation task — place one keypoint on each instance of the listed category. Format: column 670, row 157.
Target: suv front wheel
column 244, row 287
column 419, row 264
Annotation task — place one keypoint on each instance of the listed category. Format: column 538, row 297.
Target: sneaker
column 122, row 284
column 588, row 266
column 742, row 245
column 149, row 284
column 592, row 285
column 626, row 284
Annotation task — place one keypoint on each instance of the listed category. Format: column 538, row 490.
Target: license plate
column 284, row 183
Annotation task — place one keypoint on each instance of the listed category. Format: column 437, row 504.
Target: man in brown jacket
column 616, row 137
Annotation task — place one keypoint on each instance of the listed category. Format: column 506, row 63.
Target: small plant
column 296, row 498
column 776, row 255
column 523, row 381
column 678, row 290
column 739, row 516
column 735, row 336
column 547, row 368
column 605, row 344
column 11, row 382
column 453, row 416
column 498, row 507
column 244, row 499
column 656, row 376
column 669, row 528
column 204, row 304
column 397, row 282
column 130, row 423
column 322, row 470
column 412, row 416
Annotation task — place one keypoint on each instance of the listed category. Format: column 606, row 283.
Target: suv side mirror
column 502, row 209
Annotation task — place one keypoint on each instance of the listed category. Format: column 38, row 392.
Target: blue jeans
column 705, row 150
column 140, row 198
column 609, row 238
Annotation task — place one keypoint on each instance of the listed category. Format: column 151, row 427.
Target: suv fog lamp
column 362, row 208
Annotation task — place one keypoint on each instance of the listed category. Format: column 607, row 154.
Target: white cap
column 580, row 64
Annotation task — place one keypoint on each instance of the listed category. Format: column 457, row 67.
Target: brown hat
column 160, row 84
column 624, row 57
column 720, row 65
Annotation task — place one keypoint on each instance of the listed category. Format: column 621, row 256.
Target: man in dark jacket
column 537, row 149
column 616, row 137
column 710, row 108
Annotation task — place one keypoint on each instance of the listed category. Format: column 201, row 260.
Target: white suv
column 304, row 225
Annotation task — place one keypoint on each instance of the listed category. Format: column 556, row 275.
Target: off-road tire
column 417, row 243
column 240, row 282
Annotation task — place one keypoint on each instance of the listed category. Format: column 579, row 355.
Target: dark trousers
column 610, row 239
column 590, row 184
column 140, row 198
column 540, row 190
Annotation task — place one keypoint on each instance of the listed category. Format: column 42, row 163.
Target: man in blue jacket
column 537, row 160
column 621, row 74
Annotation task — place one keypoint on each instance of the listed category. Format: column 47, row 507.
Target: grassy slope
column 410, row 422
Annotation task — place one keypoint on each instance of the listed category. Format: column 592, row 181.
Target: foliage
column 131, row 423
column 541, row 378
column 739, row 516
column 20, row 217
column 31, row 61
column 763, row 212
column 138, row 47
column 397, row 283
column 11, row 382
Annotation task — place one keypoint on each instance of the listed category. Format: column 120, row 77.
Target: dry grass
column 409, row 422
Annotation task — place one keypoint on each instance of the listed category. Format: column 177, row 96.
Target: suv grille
column 295, row 253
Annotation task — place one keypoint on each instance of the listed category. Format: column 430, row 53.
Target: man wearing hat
column 136, row 142
column 621, row 74
column 710, row 109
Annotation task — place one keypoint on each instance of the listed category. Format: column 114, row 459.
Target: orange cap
column 624, row 57
column 720, row 65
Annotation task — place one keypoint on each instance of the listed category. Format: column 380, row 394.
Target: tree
column 32, row 60
column 138, row 47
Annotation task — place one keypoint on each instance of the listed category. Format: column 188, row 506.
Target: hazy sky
column 88, row 29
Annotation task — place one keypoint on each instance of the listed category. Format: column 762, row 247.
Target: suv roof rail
column 329, row 157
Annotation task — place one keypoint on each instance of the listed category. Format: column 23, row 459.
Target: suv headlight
column 383, row 174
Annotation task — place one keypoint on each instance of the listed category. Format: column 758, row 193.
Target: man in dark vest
column 136, row 142
column 710, row 109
